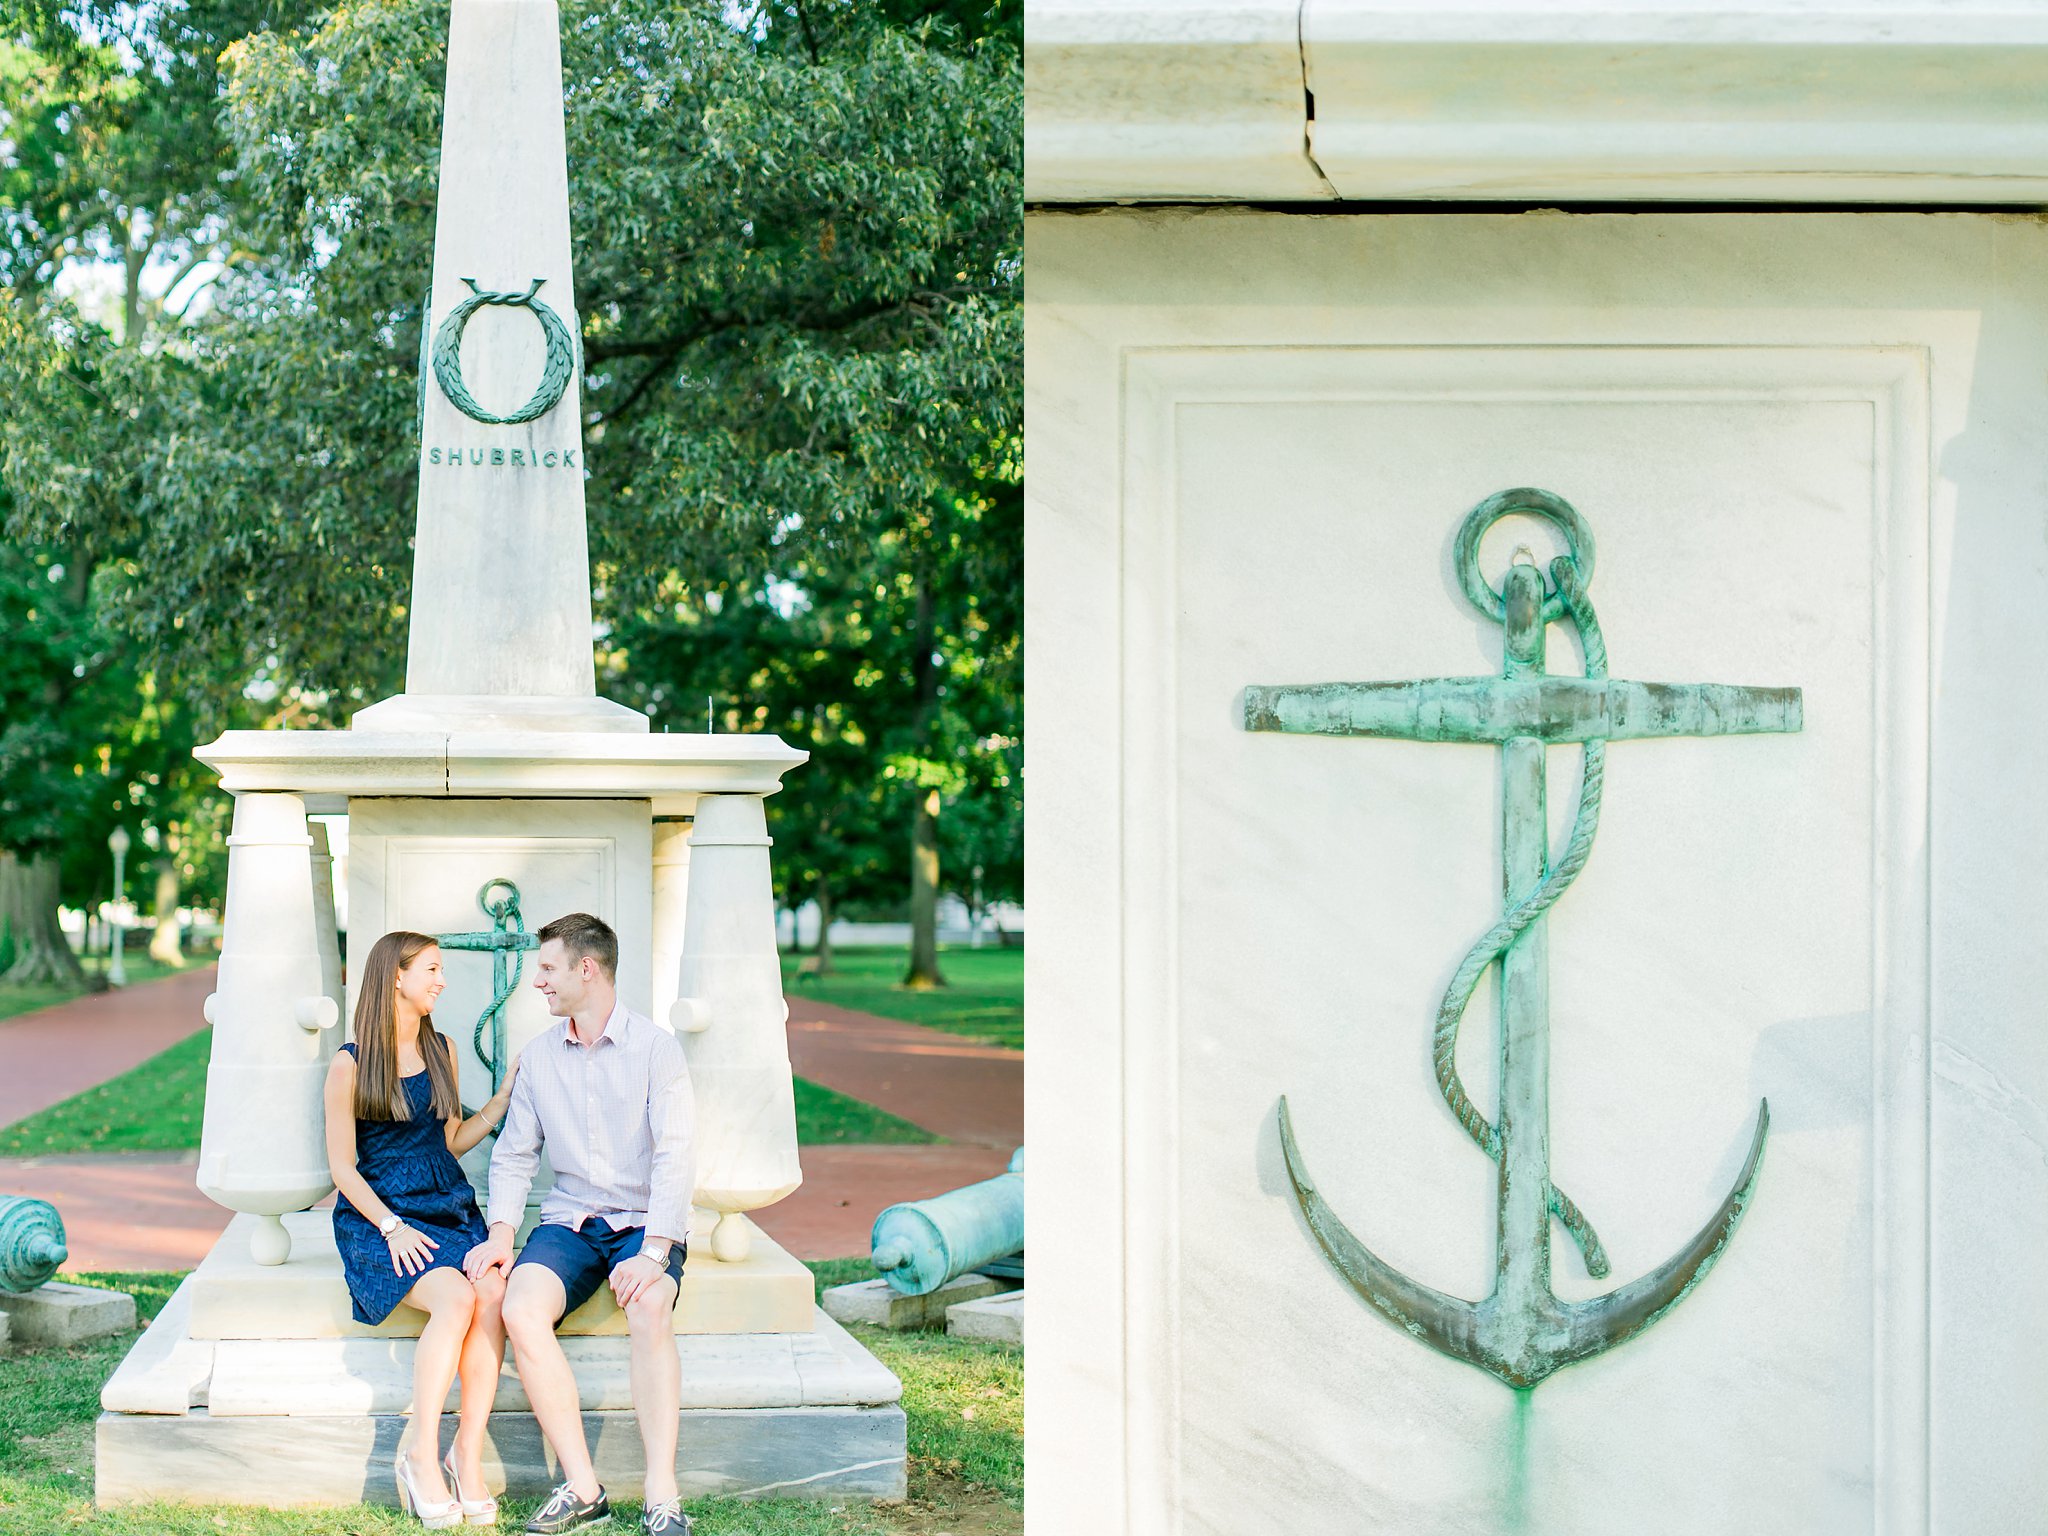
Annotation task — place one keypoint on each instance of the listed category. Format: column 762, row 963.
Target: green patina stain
column 1522, row 1332
column 1514, row 1503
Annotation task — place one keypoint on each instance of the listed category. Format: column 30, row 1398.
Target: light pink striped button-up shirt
column 616, row 1118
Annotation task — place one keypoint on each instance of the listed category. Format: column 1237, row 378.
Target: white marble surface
column 670, row 910
column 416, row 863
column 1806, row 447
column 345, row 1459
column 1795, row 101
column 731, row 975
column 671, row 769
column 821, row 1368
column 59, row 1314
column 175, row 1368
column 233, row 1297
column 261, row 1148
column 168, row 1369
column 880, row 1303
column 997, row 1318
column 1142, row 99
column 501, row 573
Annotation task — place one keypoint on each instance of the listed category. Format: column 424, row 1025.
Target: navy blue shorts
column 583, row 1258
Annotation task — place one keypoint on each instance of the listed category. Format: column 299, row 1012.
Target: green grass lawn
column 826, row 1115
column 963, row 1400
column 983, row 996
column 156, row 1107
column 140, row 968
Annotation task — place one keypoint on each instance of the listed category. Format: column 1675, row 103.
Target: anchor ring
column 1554, row 510
column 502, row 908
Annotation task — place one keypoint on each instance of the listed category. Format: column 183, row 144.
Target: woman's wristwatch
column 389, row 1225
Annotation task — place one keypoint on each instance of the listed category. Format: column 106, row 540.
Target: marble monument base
column 304, row 1461
column 234, row 1297
column 309, row 1411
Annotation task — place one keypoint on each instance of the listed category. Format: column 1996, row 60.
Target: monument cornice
column 1517, row 101
column 328, row 768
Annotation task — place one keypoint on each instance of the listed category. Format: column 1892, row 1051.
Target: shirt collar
column 614, row 1027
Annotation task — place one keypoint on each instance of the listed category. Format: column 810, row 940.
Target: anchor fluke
column 1520, row 1344
column 1625, row 1312
column 1444, row 1322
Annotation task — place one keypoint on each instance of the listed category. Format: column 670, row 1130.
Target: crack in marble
column 815, row 1477
column 2012, row 1106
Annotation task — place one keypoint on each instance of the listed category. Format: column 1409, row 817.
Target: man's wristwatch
column 656, row 1251
column 389, row 1225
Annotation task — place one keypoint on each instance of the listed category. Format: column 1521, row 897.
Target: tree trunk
column 167, row 943
column 822, row 894
column 924, row 896
column 134, row 258
column 41, row 952
column 924, row 831
column 10, row 879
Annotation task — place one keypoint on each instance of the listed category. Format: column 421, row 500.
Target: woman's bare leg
column 483, row 1352
column 449, row 1301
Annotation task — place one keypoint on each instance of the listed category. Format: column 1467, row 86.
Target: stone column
column 263, row 1145
column 671, row 893
column 327, row 939
column 732, row 1016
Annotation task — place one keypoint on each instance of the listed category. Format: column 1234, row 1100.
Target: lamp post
column 117, row 974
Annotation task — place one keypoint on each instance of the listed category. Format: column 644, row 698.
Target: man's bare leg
column 534, row 1301
column 657, row 1377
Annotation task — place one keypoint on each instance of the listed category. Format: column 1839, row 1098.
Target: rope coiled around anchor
column 1498, row 939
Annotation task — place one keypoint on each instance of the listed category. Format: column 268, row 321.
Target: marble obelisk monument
column 501, row 628
column 496, row 792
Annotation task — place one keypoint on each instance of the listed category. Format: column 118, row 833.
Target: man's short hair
column 581, row 934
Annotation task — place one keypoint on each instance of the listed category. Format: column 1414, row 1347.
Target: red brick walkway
column 53, row 1053
column 123, row 1210
column 961, row 1088
column 142, row 1211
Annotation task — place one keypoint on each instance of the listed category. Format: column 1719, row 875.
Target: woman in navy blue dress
column 406, row 1216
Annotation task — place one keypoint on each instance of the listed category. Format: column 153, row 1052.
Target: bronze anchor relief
column 1523, row 1331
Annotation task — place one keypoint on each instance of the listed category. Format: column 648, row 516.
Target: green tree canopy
column 798, row 249
column 798, row 277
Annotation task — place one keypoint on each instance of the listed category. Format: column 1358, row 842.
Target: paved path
column 963, row 1089
column 125, row 1211
column 141, row 1210
column 55, row 1052
column 845, row 1188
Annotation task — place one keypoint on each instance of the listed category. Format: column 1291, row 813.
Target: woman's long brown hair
column 380, row 1087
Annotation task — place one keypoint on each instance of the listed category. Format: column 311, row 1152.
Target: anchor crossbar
column 1498, row 709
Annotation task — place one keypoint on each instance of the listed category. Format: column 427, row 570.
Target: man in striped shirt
column 607, row 1092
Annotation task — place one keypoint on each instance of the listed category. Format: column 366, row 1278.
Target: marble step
column 170, row 1373
column 234, row 1297
column 316, row 1459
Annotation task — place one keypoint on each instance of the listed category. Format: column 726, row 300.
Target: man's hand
column 634, row 1276
column 494, row 1252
